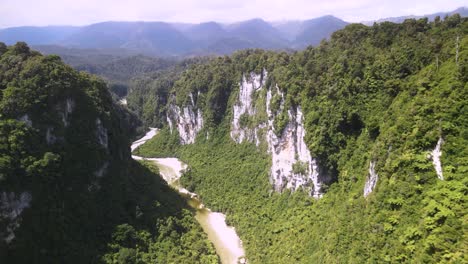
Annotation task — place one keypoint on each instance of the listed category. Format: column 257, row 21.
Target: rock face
column 25, row 118
column 372, row 179
column 254, row 113
column 188, row 120
column 435, row 155
column 69, row 106
column 11, row 207
column 292, row 164
column 102, row 170
column 50, row 137
column 101, row 134
column 244, row 107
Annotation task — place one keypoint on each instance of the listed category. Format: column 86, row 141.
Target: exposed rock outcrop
column 292, row 164
column 65, row 113
column 372, row 179
column 246, row 107
column 253, row 121
column 435, row 156
column 11, row 207
column 25, row 118
column 188, row 120
column 102, row 170
column 101, row 133
column 50, row 137
column 99, row 173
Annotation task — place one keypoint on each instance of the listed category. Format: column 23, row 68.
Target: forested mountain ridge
column 462, row 11
column 372, row 123
column 69, row 190
column 116, row 66
column 36, row 35
column 171, row 40
column 187, row 39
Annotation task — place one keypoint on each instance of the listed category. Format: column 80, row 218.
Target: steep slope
column 148, row 93
column 350, row 152
column 69, row 190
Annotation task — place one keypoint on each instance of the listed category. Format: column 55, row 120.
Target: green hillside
column 69, row 190
column 385, row 94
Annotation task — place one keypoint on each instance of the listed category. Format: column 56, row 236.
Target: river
column 224, row 238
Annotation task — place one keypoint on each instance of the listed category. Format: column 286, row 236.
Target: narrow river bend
column 224, row 238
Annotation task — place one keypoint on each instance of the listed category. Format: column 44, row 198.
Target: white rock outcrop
column 292, row 164
column 371, row 180
column 435, row 155
column 69, row 107
column 50, row 137
column 25, row 118
column 102, row 170
column 101, row 133
column 11, row 207
column 245, row 106
column 188, row 120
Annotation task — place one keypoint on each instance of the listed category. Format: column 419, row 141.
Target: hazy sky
column 82, row 12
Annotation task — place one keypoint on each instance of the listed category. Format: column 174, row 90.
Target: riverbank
column 224, row 238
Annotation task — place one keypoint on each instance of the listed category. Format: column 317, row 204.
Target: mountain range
column 184, row 39
column 172, row 39
column 353, row 151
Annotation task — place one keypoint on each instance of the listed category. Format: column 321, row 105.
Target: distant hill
column 116, row 66
column 260, row 33
column 185, row 39
column 155, row 38
column 314, row 30
column 289, row 29
column 36, row 35
column 206, row 32
column 176, row 39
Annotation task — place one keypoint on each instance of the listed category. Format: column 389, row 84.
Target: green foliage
column 117, row 70
column 64, row 142
column 244, row 120
column 384, row 93
column 160, row 148
column 149, row 91
column 300, row 168
column 170, row 234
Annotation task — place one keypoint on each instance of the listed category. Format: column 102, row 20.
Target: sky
column 83, row 12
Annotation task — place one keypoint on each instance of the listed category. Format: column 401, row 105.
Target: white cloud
column 73, row 12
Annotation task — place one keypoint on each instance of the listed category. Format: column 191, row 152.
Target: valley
column 296, row 141
column 329, row 151
column 224, row 238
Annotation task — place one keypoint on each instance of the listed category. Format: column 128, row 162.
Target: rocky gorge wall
column 188, row 121
column 254, row 114
column 253, row 120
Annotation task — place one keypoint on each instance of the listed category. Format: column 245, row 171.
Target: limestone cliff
column 188, row 121
column 254, row 113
